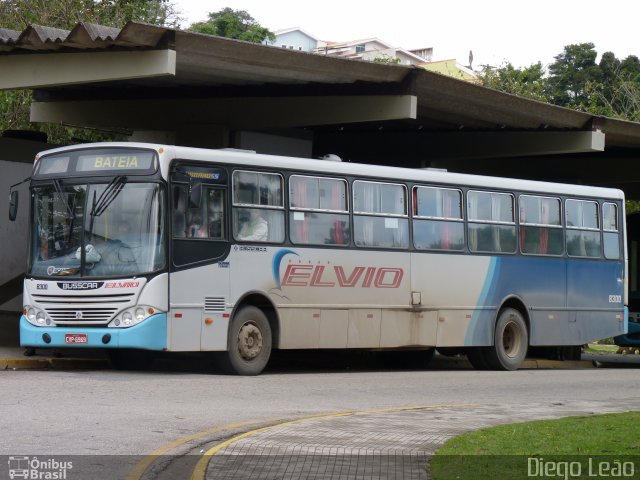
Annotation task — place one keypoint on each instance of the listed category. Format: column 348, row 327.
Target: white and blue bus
column 165, row 248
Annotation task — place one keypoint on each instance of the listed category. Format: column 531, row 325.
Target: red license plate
column 75, row 338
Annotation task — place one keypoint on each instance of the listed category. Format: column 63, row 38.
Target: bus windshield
column 113, row 229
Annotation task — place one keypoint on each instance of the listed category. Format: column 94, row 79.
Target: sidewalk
column 389, row 443
column 13, row 358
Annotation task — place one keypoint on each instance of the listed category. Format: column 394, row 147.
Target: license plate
column 75, row 338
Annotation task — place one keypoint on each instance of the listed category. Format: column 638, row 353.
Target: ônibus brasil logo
column 34, row 468
column 317, row 275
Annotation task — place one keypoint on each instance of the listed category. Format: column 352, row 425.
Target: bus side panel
column 595, row 292
column 538, row 283
column 198, row 294
column 451, row 287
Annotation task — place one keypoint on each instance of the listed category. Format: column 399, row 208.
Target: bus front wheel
column 249, row 342
column 511, row 341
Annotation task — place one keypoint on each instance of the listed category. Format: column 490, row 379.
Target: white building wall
column 296, row 40
column 13, row 235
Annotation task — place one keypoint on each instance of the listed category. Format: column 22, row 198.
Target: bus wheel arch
column 260, row 301
column 511, row 335
column 250, row 336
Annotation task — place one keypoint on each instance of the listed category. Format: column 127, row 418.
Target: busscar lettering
column 297, row 275
column 121, row 161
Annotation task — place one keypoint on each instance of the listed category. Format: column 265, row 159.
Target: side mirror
column 195, row 194
column 13, row 205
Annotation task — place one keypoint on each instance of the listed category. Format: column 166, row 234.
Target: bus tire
column 511, row 341
column 249, row 342
column 477, row 358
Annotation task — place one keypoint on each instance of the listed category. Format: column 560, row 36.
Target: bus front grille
column 81, row 316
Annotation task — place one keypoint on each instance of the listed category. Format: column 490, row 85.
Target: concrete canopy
column 200, row 90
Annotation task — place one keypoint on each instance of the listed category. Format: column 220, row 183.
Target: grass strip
column 594, row 446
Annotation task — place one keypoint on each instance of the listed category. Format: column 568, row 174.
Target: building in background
column 372, row 50
column 295, row 39
column 453, row 69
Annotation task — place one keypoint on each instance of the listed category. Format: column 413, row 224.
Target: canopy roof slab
column 148, row 78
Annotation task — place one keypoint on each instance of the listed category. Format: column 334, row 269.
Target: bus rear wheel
column 511, row 341
column 249, row 342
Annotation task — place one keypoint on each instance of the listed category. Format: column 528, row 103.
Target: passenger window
column 583, row 229
column 258, row 213
column 319, row 213
column 540, row 227
column 611, row 234
column 438, row 223
column 491, row 225
column 380, row 215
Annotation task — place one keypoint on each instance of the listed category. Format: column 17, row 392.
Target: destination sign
column 98, row 161
column 138, row 160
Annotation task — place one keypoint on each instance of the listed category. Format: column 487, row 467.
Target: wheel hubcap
column 511, row 340
column 249, row 341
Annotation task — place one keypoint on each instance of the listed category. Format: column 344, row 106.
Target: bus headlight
column 36, row 317
column 131, row 317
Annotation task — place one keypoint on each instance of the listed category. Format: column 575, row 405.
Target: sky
column 521, row 32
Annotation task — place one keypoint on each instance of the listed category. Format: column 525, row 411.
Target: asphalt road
column 134, row 413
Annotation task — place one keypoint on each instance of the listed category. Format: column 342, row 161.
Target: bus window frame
column 582, row 228
column 470, row 221
column 542, row 225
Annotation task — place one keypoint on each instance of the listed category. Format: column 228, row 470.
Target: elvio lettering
column 319, row 276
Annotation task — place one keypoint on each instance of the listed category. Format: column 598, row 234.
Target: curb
column 528, row 364
column 550, row 364
column 52, row 363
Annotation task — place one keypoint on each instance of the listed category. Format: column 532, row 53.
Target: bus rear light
column 208, row 321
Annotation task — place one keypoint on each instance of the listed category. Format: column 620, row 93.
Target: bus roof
column 328, row 167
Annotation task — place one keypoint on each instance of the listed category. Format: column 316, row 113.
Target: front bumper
column 151, row 334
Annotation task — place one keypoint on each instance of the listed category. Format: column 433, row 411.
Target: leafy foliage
column 65, row 14
column 386, row 59
column 236, row 24
column 575, row 80
column 528, row 82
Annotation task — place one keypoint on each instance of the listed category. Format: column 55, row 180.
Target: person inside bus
column 215, row 208
column 255, row 228
column 197, row 229
column 123, row 230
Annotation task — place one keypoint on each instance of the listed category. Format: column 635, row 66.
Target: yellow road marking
column 200, row 471
column 140, row 468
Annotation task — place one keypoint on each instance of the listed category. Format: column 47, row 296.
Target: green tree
column 237, row 24
column 65, row 14
column 573, row 74
column 527, row 82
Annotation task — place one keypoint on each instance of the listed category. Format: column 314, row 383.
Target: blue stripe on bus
column 151, row 334
column 550, row 289
column 479, row 331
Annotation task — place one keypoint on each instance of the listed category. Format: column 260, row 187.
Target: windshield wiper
column 105, row 199
column 108, row 196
